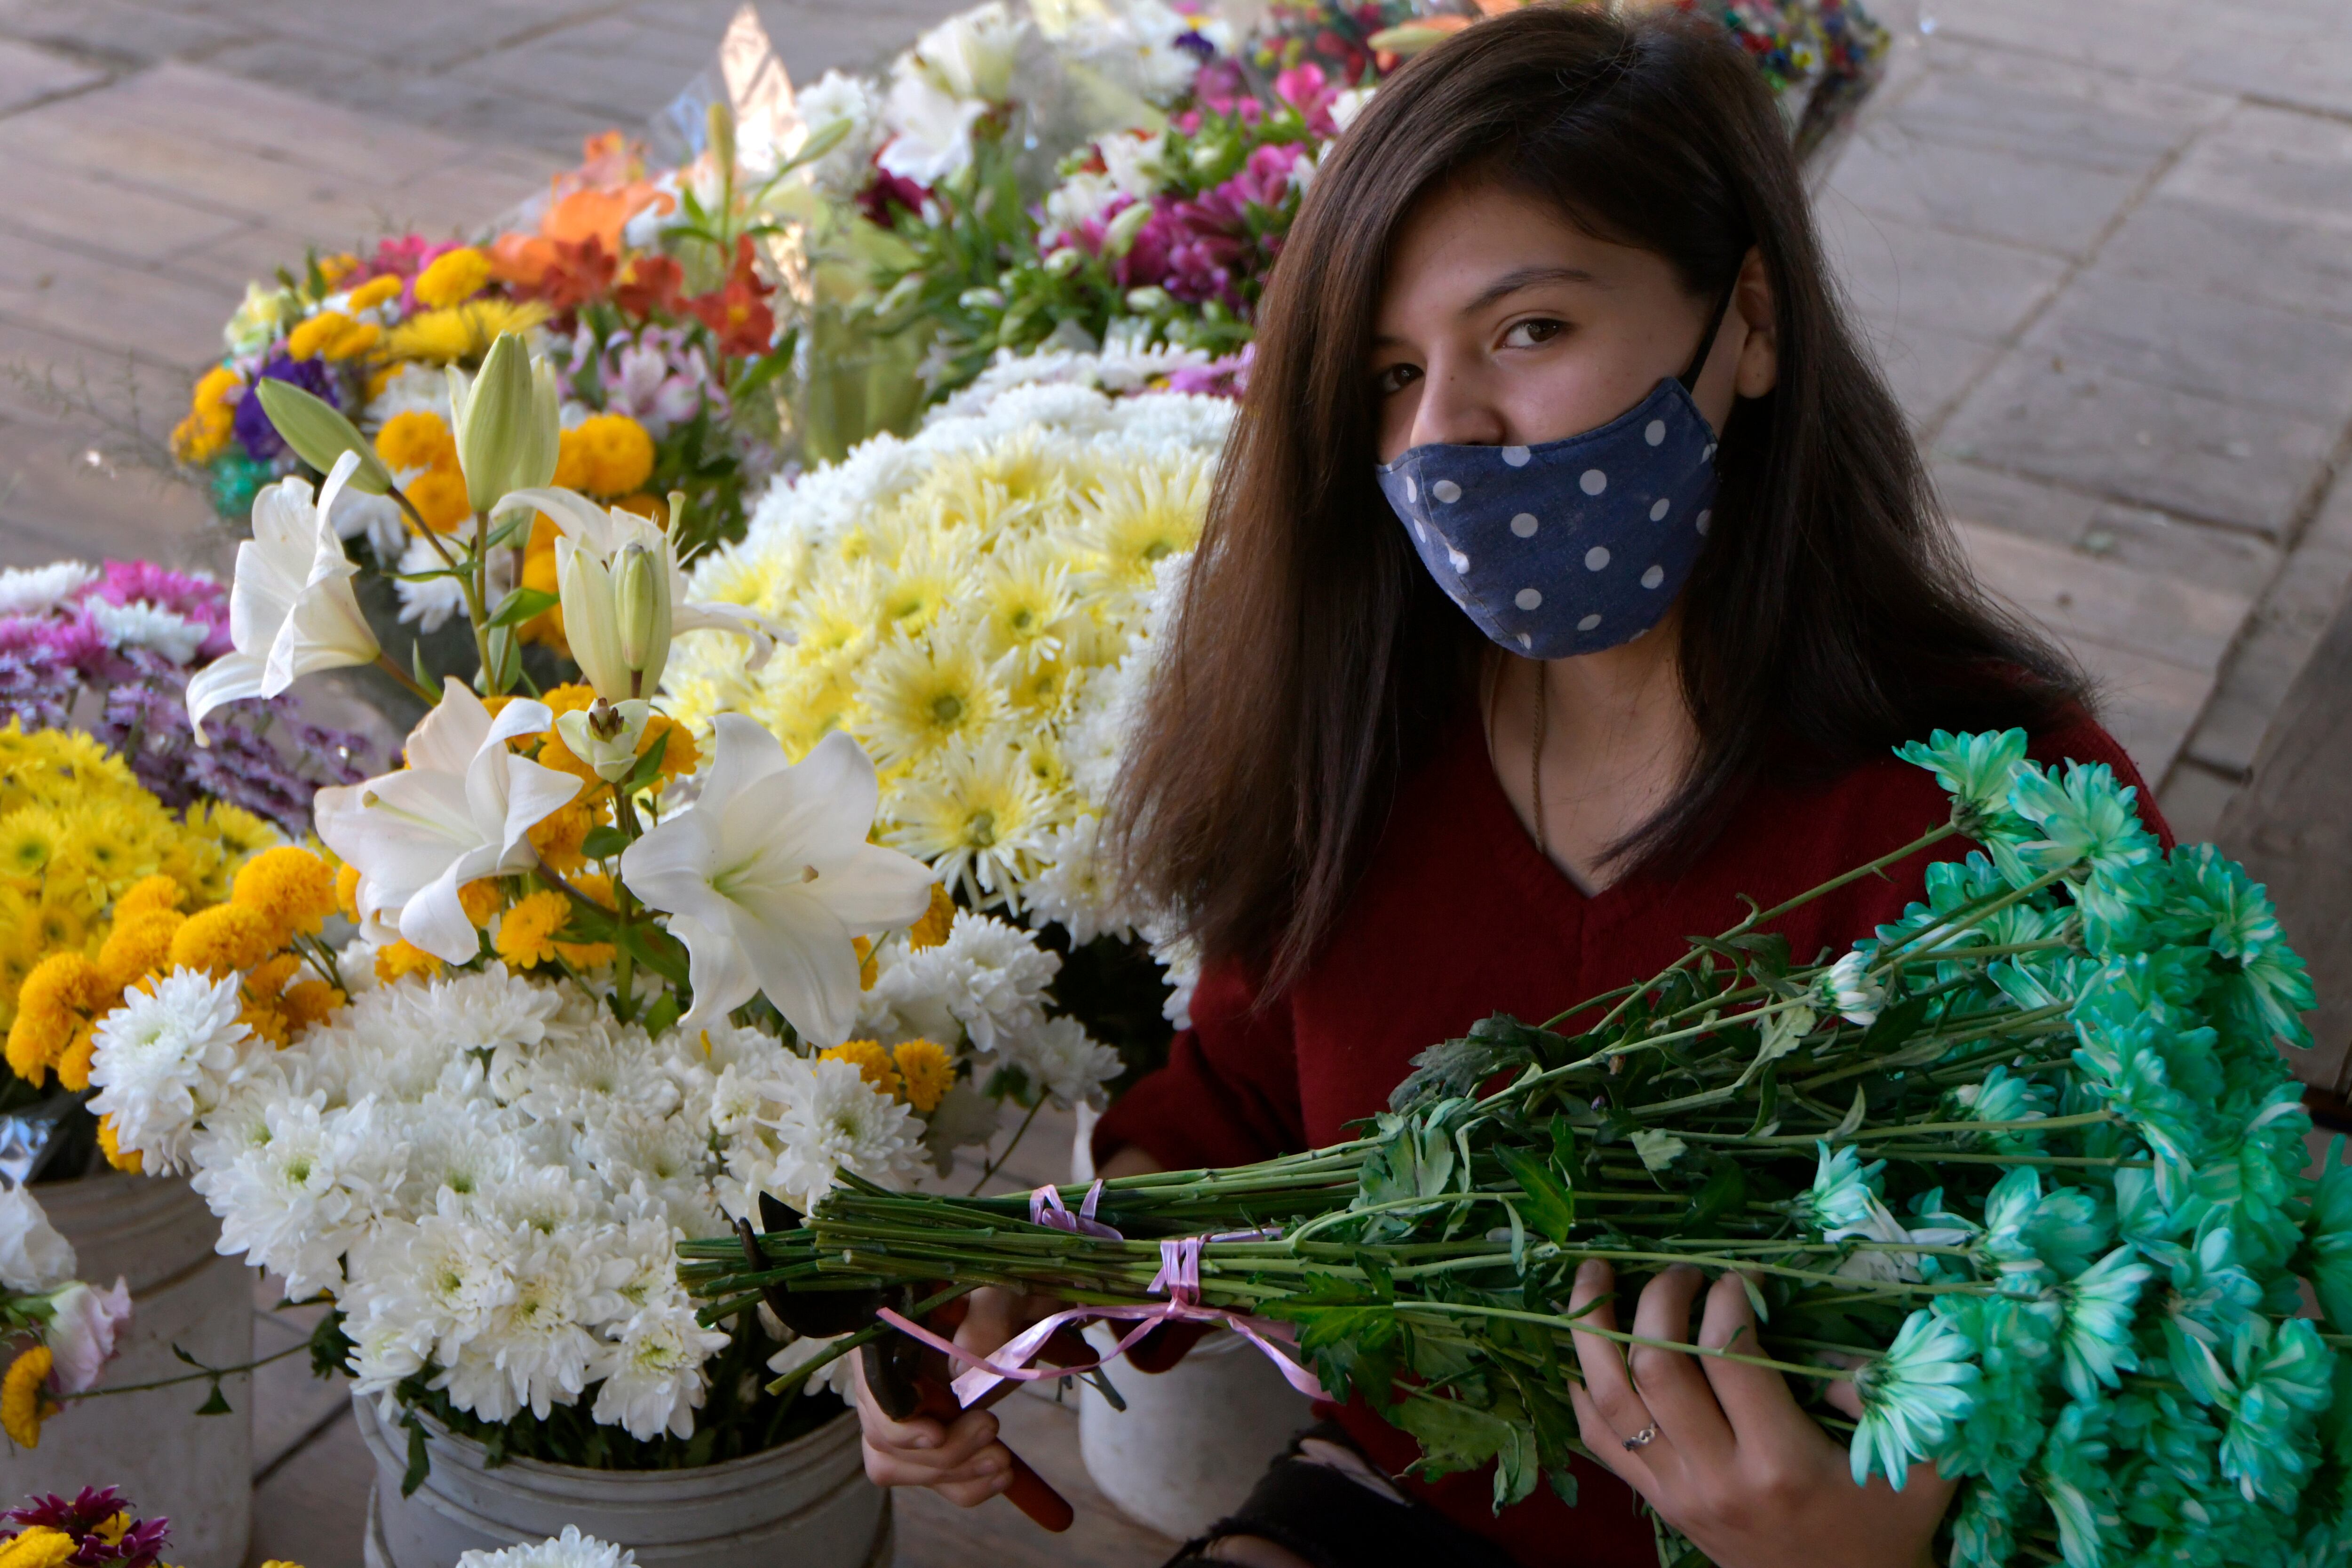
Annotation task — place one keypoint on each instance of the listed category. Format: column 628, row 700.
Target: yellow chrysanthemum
column 331, row 334
column 526, row 936
column 461, row 331
column 41, row 1546
column 937, row 921
column 452, row 278
column 416, row 438
column 401, row 959
column 959, row 494
column 836, row 619
column 1024, row 597
column 559, row 838
column 223, row 939
column 976, row 813
column 920, row 697
column 1136, row 518
column 373, row 292
column 139, row 945
column 238, row 831
column 481, row 898
column 110, row 1145
column 347, row 891
column 58, row 927
column 926, row 1072
column 871, row 1062
column 927, row 578
column 27, row 838
column 22, row 1407
column 290, row 888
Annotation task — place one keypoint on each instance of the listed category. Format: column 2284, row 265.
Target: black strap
column 1690, row 377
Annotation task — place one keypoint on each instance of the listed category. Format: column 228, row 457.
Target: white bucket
column 1193, row 1439
column 807, row 1504
column 196, row 1471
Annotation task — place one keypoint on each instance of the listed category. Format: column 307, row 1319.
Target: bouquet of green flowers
column 2025, row 1164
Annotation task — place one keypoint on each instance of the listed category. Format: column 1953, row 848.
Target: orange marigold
column 308, row 1001
column 347, row 891
column 290, row 887
column 111, row 1147
column 526, row 936
column 73, row 1062
column 481, row 898
column 871, row 1062
column 139, row 944
column 402, row 958
column 933, row 928
column 558, row 839
column 416, row 438
column 929, row 1071
column 147, row 895
column 439, row 499
column 223, row 939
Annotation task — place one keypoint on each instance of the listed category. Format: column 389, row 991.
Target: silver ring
column 1642, row 1439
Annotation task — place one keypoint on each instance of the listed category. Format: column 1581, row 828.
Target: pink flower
column 1305, row 88
column 83, row 1326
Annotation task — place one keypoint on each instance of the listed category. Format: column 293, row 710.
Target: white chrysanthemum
column 990, row 976
column 1060, row 1057
column 410, row 388
column 570, row 1550
column 1180, row 961
column 798, row 1352
column 652, row 1371
column 484, row 1010
column 428, row 601
column 282, row 1201
column 378, row 517
column 1075, row 889
column 978, row 815
column 163, row 1059
column 534, row 1349
column 829, row 1119
column 37, row 590
column 143, row 625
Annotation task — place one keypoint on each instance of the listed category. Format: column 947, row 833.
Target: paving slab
column 29, row 76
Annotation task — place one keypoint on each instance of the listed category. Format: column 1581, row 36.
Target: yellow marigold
column 262, row 1015
column 308, row 1001
column 333, row 335
column 526, row 936
column 211, row 423
column 558, row 839
column 403, row 959
column 21, row 1410
column 110, row 1145
column 416, row 438
column 439, row 499
column 929, row 1071
column 223, row 939
column 461, row 331
column 452, row 278
column 336, row 266
column 36, row 1037
column 138, row 946
column 587, row 954
column 597, row 886
column 572, row 698
column 68, row 980
column 347, row 891
column 481, row 898
column 868, row 972
column 679, row 756
column 73, row 1062
column 290, row 888
column 606, row 455
column 933, row 928
column 146, row 896
column 41, row 1546
column 871, row 1062
column 375, row 291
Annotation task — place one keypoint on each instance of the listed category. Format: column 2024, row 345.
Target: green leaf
column 416, row 665
column 648, row 766
column 661, row 1015
column 522, row 605
column 604, row 841
column 1455, row 1436
column 1458, row 1067
column 420, row 1459
column 1659, row 1148
column 214, row 1404
column 1855, row 1114
column 1725, row 1190
column 1551, row 1206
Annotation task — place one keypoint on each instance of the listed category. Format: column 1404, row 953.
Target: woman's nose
column 1455, row 409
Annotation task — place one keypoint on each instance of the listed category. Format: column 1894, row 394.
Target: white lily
column 292, row 611
column 462, row 808
column 606, row 736
column 768, row 876
column 624, row 594
column 506, row 422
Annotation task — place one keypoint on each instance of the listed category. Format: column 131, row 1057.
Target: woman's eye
column 1528, row 334
column 1395, row 378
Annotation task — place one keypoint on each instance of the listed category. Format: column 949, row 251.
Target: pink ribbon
column 1046, row 1208
column 1179, row 1275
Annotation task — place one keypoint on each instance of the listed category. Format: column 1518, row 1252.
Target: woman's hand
column 1735, row 1465
column 960, row 1459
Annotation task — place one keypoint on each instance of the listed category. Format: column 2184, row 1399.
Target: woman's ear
column 1759, row 369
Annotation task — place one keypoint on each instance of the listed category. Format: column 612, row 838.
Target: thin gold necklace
column 1535, row 766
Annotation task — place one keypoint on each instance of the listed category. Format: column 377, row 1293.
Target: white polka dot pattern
column 1524, row 525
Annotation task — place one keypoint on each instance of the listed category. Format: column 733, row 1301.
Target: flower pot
column 807, row 1504
column 196, row 1470
column 1193, row 1439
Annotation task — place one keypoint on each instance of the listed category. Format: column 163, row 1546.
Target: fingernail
column 922, row 1440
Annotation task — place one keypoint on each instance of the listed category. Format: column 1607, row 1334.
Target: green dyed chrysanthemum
column 1974, row 769
column 2280, row 1378
column 2328, row 1234
column 2089, row 828
column 2096, row 1346
column 1912, row 1398
column 2035, row 1237
column 2076, row 1483
column 1844, row 1190
column 2015, row 1343
column 2265, row 984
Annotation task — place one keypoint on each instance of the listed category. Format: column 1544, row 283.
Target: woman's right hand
column 960, row 1459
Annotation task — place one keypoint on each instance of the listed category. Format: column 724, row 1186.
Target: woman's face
column 1503, row 324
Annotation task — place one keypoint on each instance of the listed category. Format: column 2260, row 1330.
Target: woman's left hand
column 1733, row 1462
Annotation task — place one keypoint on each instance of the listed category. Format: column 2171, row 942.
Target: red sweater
column 1460, row 916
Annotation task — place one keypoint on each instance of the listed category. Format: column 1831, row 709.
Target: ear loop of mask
column 1689, row 378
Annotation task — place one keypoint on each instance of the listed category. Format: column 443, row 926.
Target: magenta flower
column 1306, row 89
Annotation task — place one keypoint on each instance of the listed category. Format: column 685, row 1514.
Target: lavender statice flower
column 262, row 759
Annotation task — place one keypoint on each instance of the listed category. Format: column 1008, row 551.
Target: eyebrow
column 1510, row 283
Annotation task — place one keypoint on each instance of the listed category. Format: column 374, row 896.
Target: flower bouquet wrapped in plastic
column 2026, row 1165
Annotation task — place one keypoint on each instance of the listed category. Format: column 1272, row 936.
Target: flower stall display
column 2026, row 1166
column 979, row 604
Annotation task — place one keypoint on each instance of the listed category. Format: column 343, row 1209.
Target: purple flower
column 1228, row 377
column 252, row 425
column 1305, row 88
column 660, row 381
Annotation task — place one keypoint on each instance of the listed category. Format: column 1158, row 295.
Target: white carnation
column 33, row 1256
column 835, row 99
column 139, row 624
column 165, row 1058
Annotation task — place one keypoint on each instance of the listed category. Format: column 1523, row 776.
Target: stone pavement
column 2105, row 247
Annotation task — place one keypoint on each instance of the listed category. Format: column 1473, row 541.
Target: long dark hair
column 1313, row 659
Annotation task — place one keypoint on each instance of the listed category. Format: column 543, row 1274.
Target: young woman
column 1569, row 574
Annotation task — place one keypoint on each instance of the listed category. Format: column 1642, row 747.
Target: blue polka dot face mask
column 1570, row 547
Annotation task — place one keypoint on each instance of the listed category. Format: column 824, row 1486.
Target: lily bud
column 320, row 435
column 617, row 616
column 1118, row 234
column 606, row 736
column 506, row 421
column 641, row 597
